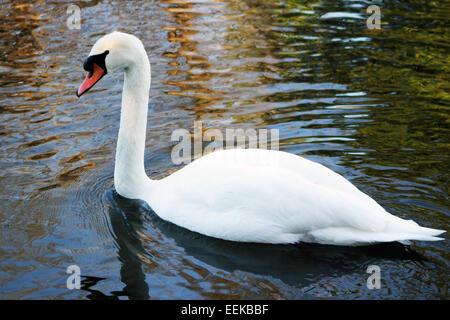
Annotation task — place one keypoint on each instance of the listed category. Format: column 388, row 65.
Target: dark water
column 372, row 105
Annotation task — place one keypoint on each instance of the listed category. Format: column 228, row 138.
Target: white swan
column 248, row 195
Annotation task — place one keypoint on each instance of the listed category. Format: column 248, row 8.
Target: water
column 372, row 105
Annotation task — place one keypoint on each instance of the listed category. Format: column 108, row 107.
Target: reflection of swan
column 241, row 195
column 126, row 223
column 126, row 226
column 298, row 266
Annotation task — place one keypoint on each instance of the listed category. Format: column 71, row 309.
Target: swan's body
column 248, row 195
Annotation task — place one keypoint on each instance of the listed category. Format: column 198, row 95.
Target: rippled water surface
column 372, row 105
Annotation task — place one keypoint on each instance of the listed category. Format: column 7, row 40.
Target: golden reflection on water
column 196, row 75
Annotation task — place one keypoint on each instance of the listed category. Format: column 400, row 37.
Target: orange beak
column 91, row 78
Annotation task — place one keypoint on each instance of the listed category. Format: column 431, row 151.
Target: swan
column 244, row 195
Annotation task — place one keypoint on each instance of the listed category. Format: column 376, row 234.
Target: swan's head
column 111, row 52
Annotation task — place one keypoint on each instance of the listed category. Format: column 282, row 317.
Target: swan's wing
column 308, row 170
column 244, row 196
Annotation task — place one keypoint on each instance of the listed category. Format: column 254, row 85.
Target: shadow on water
column 296, row 265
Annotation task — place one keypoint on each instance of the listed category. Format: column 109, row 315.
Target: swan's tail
column 397, row 230
column 410, row 229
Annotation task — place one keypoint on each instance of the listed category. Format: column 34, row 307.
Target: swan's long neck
column 130, row 179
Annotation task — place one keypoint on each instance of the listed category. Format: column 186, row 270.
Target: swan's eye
column 98, row 59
